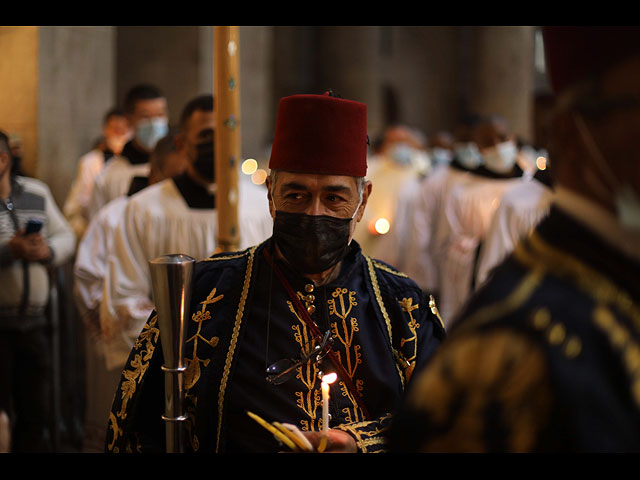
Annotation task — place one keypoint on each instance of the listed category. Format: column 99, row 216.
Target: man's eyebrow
column 294, row 186
column 327, row 188
column 336, row 188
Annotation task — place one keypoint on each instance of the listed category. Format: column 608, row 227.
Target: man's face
column 116, row 132
column 490, row 134
column 149, row 109
column 314, row 194
column 199, row 129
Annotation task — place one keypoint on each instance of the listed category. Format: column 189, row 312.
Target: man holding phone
column 34, row 236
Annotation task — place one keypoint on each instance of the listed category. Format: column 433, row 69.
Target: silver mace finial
column 171, row 277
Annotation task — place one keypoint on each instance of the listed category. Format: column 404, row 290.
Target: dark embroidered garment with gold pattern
column 545, row 357
column 382, row 328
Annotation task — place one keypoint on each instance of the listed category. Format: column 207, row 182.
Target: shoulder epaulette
column 387, row 268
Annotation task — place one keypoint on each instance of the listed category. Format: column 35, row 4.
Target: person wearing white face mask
column 396, row 171
column 544, row 357
column 469, row 208
column 146, row 109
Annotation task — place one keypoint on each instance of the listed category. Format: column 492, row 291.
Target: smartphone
column 33, row 226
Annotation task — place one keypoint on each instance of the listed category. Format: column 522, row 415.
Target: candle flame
column 330, row 378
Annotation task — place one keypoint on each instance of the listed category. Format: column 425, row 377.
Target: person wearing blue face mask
column 147, row 112
column 544, row 357
column 176, row 214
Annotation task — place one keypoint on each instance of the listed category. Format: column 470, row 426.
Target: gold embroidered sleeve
column 370, row 435
column 482, row 392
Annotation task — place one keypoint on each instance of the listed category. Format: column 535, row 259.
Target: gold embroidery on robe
column 479, row 382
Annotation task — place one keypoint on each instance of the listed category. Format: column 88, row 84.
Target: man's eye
column 294, row 196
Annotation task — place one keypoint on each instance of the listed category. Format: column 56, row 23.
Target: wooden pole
column 226, row 49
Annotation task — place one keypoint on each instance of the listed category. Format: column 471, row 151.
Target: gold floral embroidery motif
column 411, row 353
column 344, row 330
column 308, row 401
column 144, row 346
column 192, row 373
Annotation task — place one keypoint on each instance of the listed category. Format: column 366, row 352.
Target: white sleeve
column 60, row 236
column 127, row 297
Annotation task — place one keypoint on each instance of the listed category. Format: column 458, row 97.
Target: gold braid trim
column 388, row 269
column 517, row 297
column 234, row 341
column 604, row 292
column 601, row 288
column 365, row 437
column 385, row 315
column 228, row 257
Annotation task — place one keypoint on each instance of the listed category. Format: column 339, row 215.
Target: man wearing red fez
column 301, row 343
column 546, row 356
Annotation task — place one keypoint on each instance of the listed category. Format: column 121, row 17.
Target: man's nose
column 315, row 207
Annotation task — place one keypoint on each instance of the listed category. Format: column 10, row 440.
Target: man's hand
column 337, row 441
column 32, row 247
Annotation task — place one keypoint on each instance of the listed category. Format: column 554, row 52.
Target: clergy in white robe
column 147, row 112
column 177, row 215
column 468, row 212
column 155, row 222
column 115, row 133
column 401, row 163
column 114, row 181
column 76, row 206
column 521, row 208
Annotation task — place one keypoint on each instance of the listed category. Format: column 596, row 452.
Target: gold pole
column 226, row 49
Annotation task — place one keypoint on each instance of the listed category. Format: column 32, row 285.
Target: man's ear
column 365, row 196
column 272, row 208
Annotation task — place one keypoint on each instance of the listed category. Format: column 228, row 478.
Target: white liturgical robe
column 468, row 211
column 76, row 205
column 91, row 261
column 520, row 210
column 114, row 181
column 155, row 222
column 428, row 229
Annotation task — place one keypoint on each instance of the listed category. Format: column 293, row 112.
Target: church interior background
column 57, row 82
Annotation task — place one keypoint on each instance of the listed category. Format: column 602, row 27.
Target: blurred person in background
column 115, row 133
column 34, row 238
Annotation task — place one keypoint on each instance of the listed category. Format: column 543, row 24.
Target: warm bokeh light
column 541, row 163
column 382, row 226
column 259, row 177
column 249, row 166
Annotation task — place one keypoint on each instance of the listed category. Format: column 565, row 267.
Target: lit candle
column 325, row 407
column 326, row 380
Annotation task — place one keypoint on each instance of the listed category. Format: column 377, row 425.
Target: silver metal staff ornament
column 171, row 277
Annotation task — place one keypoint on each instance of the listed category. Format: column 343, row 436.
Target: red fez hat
column 574, row 53
column 320, row 134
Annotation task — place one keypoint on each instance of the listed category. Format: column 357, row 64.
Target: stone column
column 502, row 75
column 56, row 84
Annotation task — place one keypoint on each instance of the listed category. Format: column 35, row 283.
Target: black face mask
column 204, row 163
column 311, row 243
